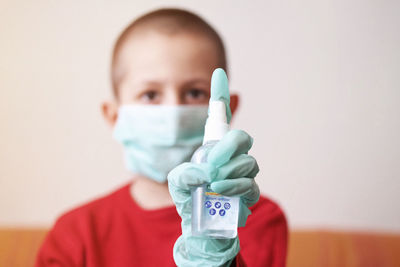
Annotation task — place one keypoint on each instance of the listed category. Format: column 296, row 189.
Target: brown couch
column 18, row 247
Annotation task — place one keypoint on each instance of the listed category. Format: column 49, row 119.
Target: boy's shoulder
column 75, row 229
column 93, row 209
column 268, row 210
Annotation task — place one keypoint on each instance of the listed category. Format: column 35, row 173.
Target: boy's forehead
column 150, row 54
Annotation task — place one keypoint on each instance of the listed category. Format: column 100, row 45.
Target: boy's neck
column 149, row 194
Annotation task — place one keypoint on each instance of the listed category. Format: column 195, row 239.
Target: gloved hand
column 230, row 171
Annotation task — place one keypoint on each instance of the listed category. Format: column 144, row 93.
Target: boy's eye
column 150, row 96
column 196, row 96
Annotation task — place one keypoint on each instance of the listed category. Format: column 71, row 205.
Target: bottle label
column 216, row 204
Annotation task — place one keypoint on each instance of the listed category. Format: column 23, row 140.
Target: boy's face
column 164, row 69
column 167, row 69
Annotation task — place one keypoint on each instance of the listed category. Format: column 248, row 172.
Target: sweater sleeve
column 263, row 241
column 62, row 246
column 280, row 241
column 278, row 235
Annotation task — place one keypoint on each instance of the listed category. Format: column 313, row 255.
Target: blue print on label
column 218, row 205
column 212, row 211
column 222, row 212
column 227, row 206
column 208, row 204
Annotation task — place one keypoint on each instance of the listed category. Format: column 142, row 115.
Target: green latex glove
column 230, row 171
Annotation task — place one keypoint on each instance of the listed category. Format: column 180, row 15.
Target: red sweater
column 115, row 231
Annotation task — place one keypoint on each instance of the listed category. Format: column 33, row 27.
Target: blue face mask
column 157, row 138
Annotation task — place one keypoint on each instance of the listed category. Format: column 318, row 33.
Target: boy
column 161, row 69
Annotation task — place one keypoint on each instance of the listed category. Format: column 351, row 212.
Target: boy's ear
column 109, row 110
column 234, row 103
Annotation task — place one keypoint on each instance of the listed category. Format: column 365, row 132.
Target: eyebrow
column 185, row 83
column 196, row 81
column 150, row 82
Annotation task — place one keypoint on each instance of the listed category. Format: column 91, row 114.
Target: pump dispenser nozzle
column 216, row 126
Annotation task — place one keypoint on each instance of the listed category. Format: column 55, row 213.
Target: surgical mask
column 157, row 138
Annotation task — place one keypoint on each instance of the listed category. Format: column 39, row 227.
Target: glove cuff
column 200, row 251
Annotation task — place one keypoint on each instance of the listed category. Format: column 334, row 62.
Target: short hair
column 168, row 21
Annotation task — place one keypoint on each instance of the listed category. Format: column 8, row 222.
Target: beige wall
column 320, row 82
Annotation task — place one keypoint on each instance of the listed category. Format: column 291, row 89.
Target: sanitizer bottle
column 213, row 215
